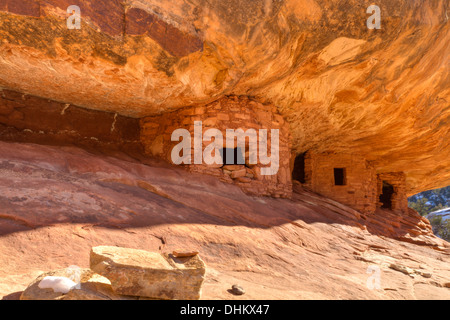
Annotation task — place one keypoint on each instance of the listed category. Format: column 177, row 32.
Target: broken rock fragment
column 184, row 254
column 148, row 274
column 90, row 286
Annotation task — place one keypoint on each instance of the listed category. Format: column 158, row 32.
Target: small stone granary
column 351, row 180
column 230, row 113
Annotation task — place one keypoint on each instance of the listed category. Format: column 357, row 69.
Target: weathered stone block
column 92, row 287
column 223, row 117
column 148, row 274
column 238, row 173
column 233, row 167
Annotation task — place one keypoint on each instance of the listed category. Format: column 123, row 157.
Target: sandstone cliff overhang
column 382, row 94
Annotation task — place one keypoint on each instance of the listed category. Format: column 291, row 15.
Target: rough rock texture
column 92, row 287
column 358, row 190
column 56, row 203
column 342, row 87
column 148, row 274
column 230, row 113
column 28, row 118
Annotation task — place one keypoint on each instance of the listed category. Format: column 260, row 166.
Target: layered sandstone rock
column 147, row 274
column 38, row 120
column 382, row 94
column 56, row 203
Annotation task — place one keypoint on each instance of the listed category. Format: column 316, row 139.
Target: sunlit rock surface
column 58, row 202
column 383, row 94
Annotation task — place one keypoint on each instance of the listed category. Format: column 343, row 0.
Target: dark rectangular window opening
column 232, row 159
column 386, row 195
column 339, row 177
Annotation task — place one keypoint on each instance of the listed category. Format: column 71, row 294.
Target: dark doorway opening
column 299, row 168
column 386, row 195
column 232, row 156
column 339, row 177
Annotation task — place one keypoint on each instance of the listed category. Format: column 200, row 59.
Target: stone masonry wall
column 360, row 189
column 399, row 199
column 226, row 113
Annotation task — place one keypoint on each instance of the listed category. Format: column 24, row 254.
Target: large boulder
column 149, row 274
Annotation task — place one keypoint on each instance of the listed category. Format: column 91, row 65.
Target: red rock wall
column 26, row 118
column 226, row 113
column 175, row 41
column 107, row 15
column 22, row 7
column 114, row 18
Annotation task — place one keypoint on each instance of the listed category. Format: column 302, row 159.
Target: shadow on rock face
column 13, row 296
column 43, row 185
